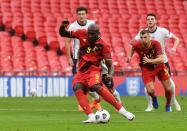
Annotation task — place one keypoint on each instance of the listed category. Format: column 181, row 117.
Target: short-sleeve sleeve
column 167, row 33
column 137, row 37
column 106, row 52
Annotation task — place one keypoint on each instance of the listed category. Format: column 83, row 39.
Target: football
column 102, row 116
column 32, row 92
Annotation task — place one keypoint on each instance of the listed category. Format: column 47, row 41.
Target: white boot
column 91, row 119
column 126, row 114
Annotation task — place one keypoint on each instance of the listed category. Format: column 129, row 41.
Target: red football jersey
column 91, row 53
column 151, row 52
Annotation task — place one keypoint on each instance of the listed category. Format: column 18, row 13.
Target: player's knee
column 96, row 87
column 150, row 91
column 78, row 86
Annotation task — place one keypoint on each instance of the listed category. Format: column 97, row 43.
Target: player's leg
column 108, row 97
column 74, row 71
column 148, row 78
column 151, row 92
column 149, row 99
column 74, row 68
column 95, row 101
column 110, row 86
column 174, row 100
column 168, row 94
column 95, row 84
column 80, row 93
column 164, row 76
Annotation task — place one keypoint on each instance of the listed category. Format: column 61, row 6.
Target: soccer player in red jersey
column 152, row 65
column 88, row 78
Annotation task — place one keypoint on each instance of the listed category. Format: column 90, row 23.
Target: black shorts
column 168, row 68
column 74, row 68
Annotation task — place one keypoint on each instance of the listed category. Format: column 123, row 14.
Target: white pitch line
column 64, row 110
column 20, row 109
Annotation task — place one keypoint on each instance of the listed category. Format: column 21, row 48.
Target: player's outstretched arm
column 68, row 51
column 176, row 42
column 130, row 54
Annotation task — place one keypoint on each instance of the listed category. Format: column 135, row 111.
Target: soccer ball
column 102, row 116
column 32, row 92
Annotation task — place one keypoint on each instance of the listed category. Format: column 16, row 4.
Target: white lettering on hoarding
column 43, row 86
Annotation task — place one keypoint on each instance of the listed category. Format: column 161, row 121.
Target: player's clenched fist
column 65, row 23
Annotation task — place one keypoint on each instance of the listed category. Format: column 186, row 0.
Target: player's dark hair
column 144, row 32
column 152, row 14
column 82, row 9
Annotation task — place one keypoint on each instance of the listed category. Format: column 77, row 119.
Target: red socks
column 168, row 94
column 83, row 101
column 107, row 96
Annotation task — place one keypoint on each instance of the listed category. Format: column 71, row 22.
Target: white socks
column 117, row 96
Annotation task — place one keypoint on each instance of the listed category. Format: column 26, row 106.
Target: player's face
column 93, row 37
column 81, row 16
column 151, row 21
column 145, row 38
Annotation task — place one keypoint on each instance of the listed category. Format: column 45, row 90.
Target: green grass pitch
column 60, row 114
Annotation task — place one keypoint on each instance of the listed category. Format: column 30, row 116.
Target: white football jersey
column 73, row 27
column 160, row 35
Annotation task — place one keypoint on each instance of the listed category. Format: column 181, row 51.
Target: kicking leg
column 107, row 96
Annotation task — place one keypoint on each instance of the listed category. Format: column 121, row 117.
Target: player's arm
column 130, row 54
column 108, row 62
column 176, row 42
column 109, row 65
column 158, row 60
column 68, row 51
column 64, row 32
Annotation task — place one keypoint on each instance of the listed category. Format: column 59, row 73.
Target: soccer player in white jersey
column 109, row 83
column 160, row 34
column 81, row 23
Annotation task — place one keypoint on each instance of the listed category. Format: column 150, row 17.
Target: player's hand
column 146, row 60
column 65, row 23
column 173, row 50
column 128, row 60
column 108, row 77
column 70, row 61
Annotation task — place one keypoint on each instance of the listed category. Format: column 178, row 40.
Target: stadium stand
column 27, row 26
